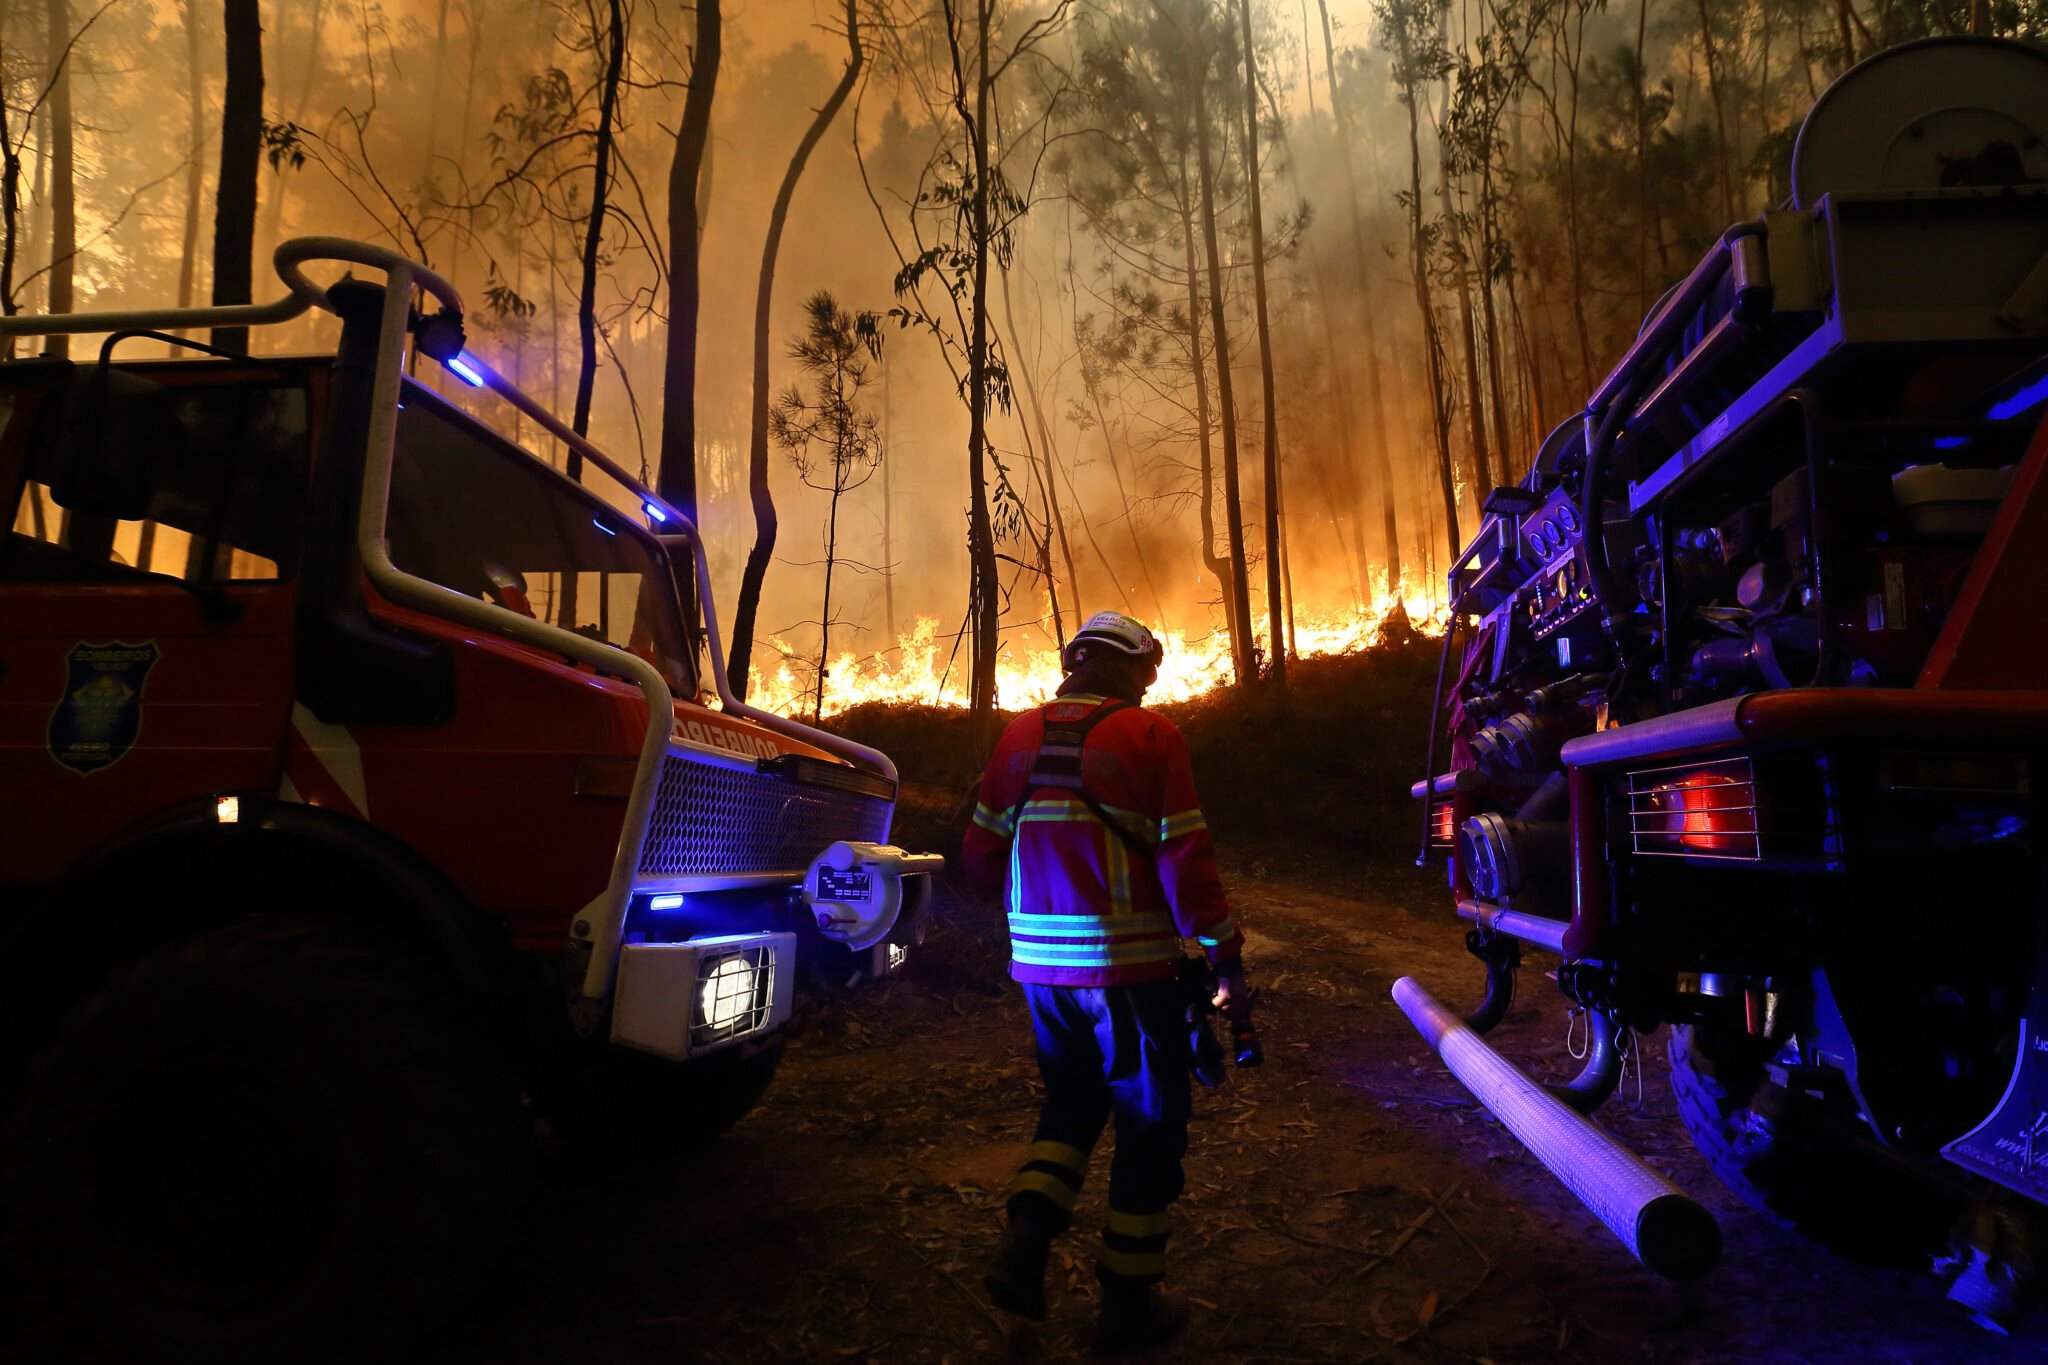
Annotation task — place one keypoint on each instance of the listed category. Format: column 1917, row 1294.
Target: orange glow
column 925, row 669
column 1713, row 809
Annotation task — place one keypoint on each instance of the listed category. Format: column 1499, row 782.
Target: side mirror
column 113, row 428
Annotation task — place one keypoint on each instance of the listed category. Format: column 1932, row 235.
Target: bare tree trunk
column 1287, row 576
column 1049, row 494
column 614, row 40
column 195, row 169
column 676, row 466
column 1351, row 500
column 440, row 60
column 593, row 231
column 1378, row 435
column 1239, row 597
column 983, row 603
column 63, row 193
column 1275, row 601
column 1461, row 277
column 1217, row 565
column 825, row 612
column 1642, row 163
column 1425, row 303
column 476, row 42
column 10, row 216
column 241, row 143
column 888, row 507
column 273, row 209
column 757, row 444
column 38, row 244
column 1715, row 93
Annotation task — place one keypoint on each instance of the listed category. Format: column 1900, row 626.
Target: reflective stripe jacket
column 1085, row 908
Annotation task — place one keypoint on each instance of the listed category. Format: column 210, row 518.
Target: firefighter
column 1089, row 806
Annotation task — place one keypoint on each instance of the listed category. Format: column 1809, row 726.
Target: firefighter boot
column 1016, row 1277
column 1136, row 1315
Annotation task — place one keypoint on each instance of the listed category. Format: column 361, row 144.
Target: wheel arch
column 185, row 870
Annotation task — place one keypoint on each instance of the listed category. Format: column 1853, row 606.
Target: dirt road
column 1347, row 1202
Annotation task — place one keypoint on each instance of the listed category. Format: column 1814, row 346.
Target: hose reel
column 862, row 894
column 1930, row 115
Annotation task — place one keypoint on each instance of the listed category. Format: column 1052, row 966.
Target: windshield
column 473, row 512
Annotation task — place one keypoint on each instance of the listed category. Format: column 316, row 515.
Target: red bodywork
column 489, row 798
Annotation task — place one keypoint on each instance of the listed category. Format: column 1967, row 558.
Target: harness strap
column 1058, row 765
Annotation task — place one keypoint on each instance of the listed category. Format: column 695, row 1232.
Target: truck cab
column 370, row 787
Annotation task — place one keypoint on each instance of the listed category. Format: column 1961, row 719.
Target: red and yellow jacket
column 1085, row 908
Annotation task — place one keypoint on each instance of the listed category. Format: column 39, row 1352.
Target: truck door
column 146, row 594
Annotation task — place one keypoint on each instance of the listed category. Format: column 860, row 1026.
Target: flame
column 928, row 665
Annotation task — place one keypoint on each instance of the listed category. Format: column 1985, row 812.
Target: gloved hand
column 1235, row 998
column 1233, row 995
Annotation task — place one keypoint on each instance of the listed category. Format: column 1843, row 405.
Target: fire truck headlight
column 726, row 996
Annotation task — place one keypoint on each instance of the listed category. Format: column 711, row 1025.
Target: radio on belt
column 863, row 894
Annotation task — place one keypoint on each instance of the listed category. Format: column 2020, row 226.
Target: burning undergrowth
column 1318, row 771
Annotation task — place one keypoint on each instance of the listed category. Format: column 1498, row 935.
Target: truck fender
column 185, row 870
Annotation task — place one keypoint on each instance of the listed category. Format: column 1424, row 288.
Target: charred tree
column 195, row 169
column 1205, row 426
column 614, row 39
column 63, row 191
column 676, row 465
column 1199, row 57
column 1275, row 598
column 10, row 220
column 1378, row 435
column 241, row 146
column 763, row 551
column 1413, row 30
column 983, row 604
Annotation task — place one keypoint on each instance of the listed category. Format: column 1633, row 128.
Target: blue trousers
column 1108, row 1051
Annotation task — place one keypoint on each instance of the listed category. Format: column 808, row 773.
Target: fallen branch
column 954, row 1280
column 1444, row 1309
column 1374, row 1259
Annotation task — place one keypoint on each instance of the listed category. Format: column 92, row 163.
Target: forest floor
column 1346, row 1202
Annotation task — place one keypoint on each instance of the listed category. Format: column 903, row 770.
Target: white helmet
column 1119, row 632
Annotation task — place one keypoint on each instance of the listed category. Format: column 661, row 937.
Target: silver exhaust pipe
column 1663, row 1226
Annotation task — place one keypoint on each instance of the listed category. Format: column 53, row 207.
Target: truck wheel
column 729, row 1086
column 286, row 1130
column 656, row 1110
column 1830, row 1191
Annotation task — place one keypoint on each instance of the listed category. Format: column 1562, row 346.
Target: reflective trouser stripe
column 1059, row 1154
column 1135, row 1265
column 1045, row 1183
column 1134, row 1245
column 1137, row 1224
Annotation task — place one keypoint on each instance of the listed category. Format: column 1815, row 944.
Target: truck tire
column 286, row 1130
column 1831, row 1192
column 729, row 1086
column 657, row 1112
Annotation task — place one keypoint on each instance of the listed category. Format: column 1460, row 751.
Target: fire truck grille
column 712, row 821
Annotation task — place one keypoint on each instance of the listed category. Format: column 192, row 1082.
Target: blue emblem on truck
column 100, row 713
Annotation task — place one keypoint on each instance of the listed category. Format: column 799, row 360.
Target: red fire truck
column 360, row 802
column 1751, row 711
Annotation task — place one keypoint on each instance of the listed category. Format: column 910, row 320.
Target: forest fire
column 926, row 669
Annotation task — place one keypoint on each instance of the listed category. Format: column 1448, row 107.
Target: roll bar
column 304, row 295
